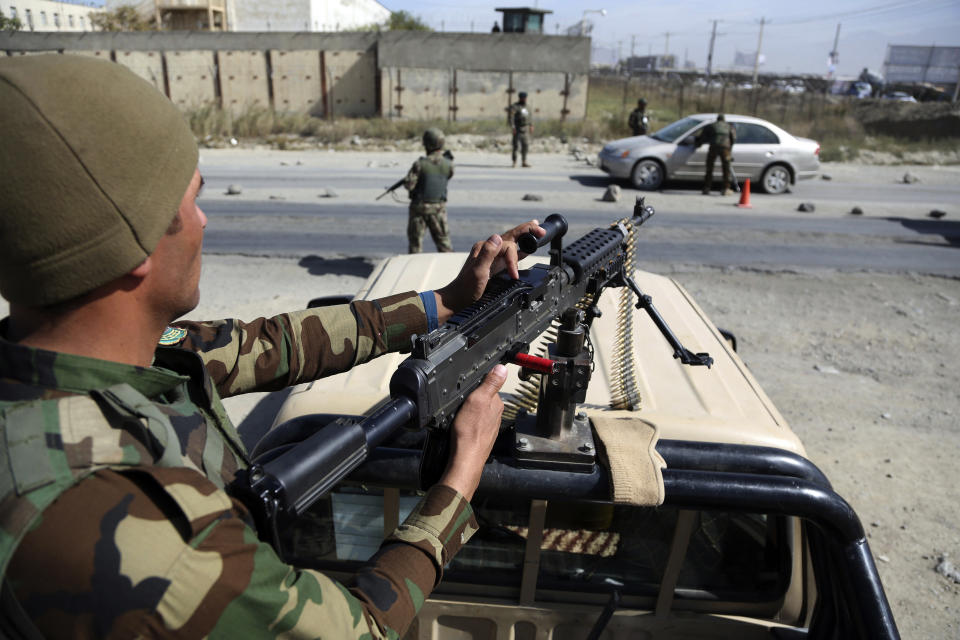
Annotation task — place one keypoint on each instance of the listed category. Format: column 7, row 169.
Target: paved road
column 279, row 213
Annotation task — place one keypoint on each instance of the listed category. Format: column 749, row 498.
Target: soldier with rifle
column 639, row 121
column 427, row 183
column 118, row 455
column 720, row 136
column 521, row 124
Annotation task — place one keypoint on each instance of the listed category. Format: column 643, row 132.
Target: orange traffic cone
column 745, row 196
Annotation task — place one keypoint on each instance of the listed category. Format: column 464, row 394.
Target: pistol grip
column 433, row 461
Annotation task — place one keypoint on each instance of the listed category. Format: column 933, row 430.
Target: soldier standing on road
column 720, row 135
column 521, row 123
column 427, row 183
column 639, row 121
column 117, row 456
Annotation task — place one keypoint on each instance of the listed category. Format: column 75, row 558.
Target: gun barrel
column 302, row 474
column 555, row 225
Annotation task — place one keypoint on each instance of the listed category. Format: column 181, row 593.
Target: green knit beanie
column 94, row 162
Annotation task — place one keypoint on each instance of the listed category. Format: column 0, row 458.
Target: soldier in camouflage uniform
column 720, row 135
column 117, row 449
column 521, row 123
column 427, row 183
column 638, row 121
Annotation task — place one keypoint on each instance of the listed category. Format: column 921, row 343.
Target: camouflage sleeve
column 163, row 553
column 410, row 181
column 272, row 353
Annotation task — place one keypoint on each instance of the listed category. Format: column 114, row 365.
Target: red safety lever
column 534, row 363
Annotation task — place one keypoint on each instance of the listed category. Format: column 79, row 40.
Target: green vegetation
column 398, row 21
column 125, row 17
column 406, row 21
column 833, row 123
column 10, row 24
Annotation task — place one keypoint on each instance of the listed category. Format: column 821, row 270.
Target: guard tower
column 523, row 19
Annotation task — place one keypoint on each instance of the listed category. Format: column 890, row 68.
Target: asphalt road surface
column 283, row 210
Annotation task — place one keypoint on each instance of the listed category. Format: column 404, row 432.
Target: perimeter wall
column 449, row 76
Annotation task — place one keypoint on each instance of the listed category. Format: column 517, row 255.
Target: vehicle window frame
column 742, row 128
column 553, row 587
column 695, row 123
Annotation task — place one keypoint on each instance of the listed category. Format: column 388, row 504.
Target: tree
column 406, row 21
column 9, row 24
column 124, row 18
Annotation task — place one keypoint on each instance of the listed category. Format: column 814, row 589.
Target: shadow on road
column 592, row 180
column 317, row 266
column 949, row 230
column 505, row 165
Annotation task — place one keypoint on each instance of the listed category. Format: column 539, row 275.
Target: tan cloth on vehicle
column 630, row 449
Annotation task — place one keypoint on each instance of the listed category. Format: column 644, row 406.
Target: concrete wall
column 270, row 15
column 483, row 95
column 406, row 75
column 452, row 94
column 243, row 80
column 297, row 84
column 191, row 78
column 146, row 64
column 305, row 15
column 351, row 78
column 344, row 15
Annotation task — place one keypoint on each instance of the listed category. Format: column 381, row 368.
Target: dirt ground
column 864, row 367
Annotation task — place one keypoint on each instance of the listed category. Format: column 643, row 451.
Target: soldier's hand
column 486, row 259
column 473, row 433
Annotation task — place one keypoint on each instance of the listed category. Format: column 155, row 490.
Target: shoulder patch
column 172, row 335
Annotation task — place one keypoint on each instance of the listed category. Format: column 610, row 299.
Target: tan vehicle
column 630, row 495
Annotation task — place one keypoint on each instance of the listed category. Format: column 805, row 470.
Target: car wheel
column 776, row 179
column 647, row 175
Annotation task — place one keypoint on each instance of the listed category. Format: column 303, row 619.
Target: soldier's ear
column 142, row 270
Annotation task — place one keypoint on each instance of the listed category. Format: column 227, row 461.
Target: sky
column 797, row 37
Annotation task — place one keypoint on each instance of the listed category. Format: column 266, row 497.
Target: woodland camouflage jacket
column 113, row 518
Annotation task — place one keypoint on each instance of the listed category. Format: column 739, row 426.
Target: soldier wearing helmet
column 521, row 123
column 427, row 183
column 639, row 121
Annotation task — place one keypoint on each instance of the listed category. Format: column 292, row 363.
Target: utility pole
column 834, row 54
column 619, row 55
column 713, row 38
column 666, row 48
column 756, row 58
column 756, row 65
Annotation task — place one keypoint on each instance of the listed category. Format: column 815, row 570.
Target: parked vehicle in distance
column 899, row 96
column 765, row 153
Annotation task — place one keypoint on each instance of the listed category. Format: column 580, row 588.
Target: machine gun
column 447, row 364
column 399, row 183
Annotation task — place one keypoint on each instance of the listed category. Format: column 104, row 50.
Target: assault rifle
column 399, row 183
column 447, row 364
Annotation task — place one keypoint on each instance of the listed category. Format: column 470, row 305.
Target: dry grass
column 826, row 119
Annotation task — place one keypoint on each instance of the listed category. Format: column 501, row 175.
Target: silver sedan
column 772, row 158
